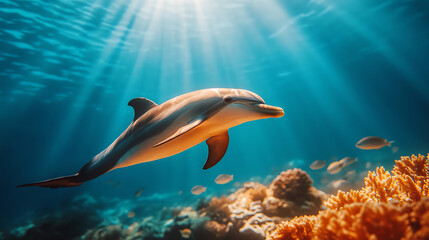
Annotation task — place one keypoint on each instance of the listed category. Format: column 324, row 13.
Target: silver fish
column 369, row 143
column 197, row 190
column 348, row 160
column 223, row 178
column 318, row 164
column 335, row 167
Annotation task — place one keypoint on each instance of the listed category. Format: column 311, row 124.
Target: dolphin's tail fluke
column 67, row 181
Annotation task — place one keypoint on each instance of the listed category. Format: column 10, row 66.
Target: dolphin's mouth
column 258, row 105
column 268, row 109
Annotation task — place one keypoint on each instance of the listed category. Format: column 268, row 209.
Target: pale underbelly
column 145, row 152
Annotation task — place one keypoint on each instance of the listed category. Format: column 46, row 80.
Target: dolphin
column 160, row 131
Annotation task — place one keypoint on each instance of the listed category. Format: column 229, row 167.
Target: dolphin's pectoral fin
column 140, row 105
column 217, row 149
column 181, row 131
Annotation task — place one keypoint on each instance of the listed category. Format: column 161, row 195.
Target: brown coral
column 292, row 185
column 218, row 210
column 279, row 207
column 390, row 206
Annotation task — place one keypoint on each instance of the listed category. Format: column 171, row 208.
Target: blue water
column 341, row 70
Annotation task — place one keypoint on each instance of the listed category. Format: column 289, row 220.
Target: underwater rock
column 256, row 226
column 112, row 232
column 69, row 223
column 213, row 230
column 390, row 206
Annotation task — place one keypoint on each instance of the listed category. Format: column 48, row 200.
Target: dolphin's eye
column 227, row 99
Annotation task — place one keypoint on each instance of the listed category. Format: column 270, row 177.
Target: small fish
column 350, row 175
column 325, row 179
column 139, row 192
column 395, row 149
column 318, row 164
column 179, row 192
column 368, row 165
column 169, row 222
column 341, row 184
column 369, row 143
column 132, row 227
column 223, row 178
column 186, row 233
column 348, row 160
column 335, row 167
column 131, row 214
column 197, row 190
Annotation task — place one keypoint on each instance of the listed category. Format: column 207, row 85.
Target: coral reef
column 249, row 213
column 255, row 209
column 390, row 206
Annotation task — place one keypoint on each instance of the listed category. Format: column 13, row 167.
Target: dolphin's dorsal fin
column 140, row 105
column 191, row 125
column 217, row 148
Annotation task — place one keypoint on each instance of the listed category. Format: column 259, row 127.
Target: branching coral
column 343, row 198
column 374, row 221
column 409, row 182
column 412, row 176
column 415, row 167
column 380, row 187
column 390, row 206
column 299, row 228
column 361, row 221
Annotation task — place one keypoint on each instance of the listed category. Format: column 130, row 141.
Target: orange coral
column 343, row 198
column 390, row 206
column 381, row 187
column 412, row 176
column 361, row 221
column 415, row 167
column 299, row 228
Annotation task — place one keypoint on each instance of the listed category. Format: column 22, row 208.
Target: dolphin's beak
column 260, row 106
column 273, row 111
